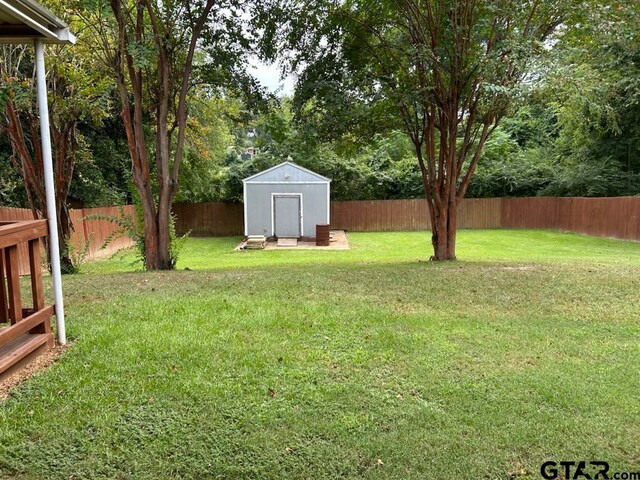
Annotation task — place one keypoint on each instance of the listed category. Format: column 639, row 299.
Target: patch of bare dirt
column 35, row 366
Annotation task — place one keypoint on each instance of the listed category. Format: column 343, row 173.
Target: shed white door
column 287, row 216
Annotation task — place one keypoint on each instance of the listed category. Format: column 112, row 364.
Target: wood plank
column 8, row 334
column 15, row 351
column 12, row 262
column 45, row 327
column 14, row 226
column 35, row 263
column 16, row 367
column 4, row 305
column 21, row 232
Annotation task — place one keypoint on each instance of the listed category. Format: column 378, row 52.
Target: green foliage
column 12, row 192
column 565, row 141
column 105, row 179
column 126, row 227
column 133, row 229
column 383, row 168
column 508, row 170
column 80, row 104
column 592, row 179
column 78, row 253
column 209, row 137
column 176, row 242
column 575, row 130
column 593, row 81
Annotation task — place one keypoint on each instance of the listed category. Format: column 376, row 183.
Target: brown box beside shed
column 323, row 235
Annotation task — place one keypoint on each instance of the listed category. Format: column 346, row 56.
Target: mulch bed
column 35, row 366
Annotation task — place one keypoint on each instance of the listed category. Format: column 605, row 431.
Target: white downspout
column 45, row 137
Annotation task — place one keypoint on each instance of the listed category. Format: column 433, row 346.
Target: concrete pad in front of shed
column 338, row 242
column 287, row 242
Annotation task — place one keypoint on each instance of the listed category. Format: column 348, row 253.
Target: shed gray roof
column 22, row 21
column 272, row 175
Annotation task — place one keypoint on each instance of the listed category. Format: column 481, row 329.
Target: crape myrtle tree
column 446, row 71
column 158, row 53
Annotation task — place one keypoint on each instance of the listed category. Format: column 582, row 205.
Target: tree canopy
column 435, row 99
column 445, row 71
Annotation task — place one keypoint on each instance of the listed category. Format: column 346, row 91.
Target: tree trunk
column 64, row 237
column 165, row 262
column 441, row 194
column 156, row 232
column 150, row 229
column 443, row 230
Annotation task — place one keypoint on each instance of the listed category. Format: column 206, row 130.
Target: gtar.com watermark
column 583, row 470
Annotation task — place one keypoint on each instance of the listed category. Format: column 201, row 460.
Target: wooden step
column 255, row 242
column 14, row 351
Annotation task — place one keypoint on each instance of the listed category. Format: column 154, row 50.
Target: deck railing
column 24, row 327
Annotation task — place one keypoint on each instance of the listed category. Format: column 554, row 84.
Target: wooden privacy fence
column 615, row 217
column 209, row 219
column 409, row 215
column 95, row 232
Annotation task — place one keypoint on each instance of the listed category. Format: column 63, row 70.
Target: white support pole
column 45, row 137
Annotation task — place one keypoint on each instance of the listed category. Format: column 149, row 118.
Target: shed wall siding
column 258, row 206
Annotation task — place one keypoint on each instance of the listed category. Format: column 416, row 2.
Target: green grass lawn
column 366, row 363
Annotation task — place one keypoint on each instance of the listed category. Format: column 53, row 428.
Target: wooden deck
column 25, row 329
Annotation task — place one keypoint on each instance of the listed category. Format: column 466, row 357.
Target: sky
column 269, row 76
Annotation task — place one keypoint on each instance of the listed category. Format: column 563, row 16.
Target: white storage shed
column 286, row 201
